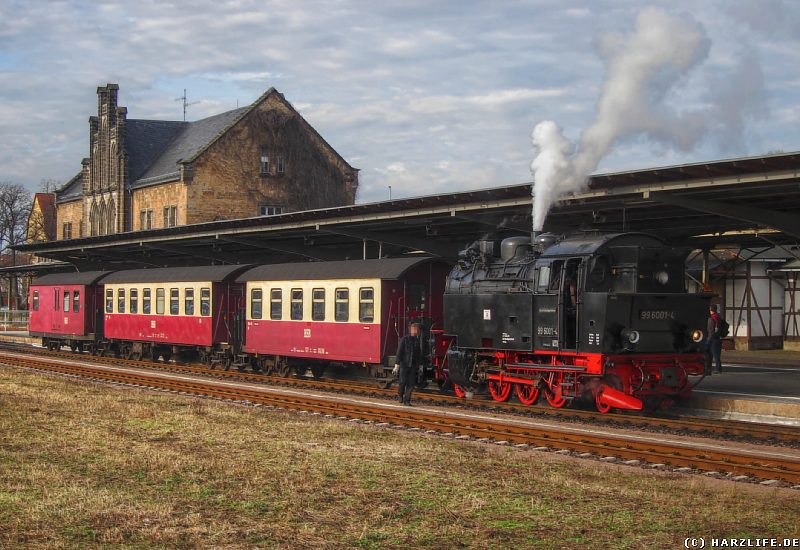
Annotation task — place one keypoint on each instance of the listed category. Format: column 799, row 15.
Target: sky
column 423, row 96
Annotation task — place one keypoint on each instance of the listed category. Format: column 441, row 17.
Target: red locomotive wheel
column 459, row 391
column 500, row 391
column 553, row 393
column 527, row 393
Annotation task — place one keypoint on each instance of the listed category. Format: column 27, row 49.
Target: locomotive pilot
column 408, row 362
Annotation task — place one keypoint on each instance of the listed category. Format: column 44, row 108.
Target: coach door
column 57, row 318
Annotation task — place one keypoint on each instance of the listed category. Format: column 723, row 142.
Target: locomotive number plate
column 656, row 314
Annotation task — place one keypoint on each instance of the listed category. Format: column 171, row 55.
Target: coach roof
column 73, row 278
column 385, row 268
column 212, row 273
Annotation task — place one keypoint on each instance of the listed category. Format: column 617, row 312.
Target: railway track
column 762, row 464
column 758, row 432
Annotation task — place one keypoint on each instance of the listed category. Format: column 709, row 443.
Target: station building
column 262, row 159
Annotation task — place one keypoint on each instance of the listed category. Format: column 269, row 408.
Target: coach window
column 318, row 304
column 76, row 301
column 159, row 301
column 205, row 301
column 134, row 301
column 35, row 300
column 342, row 312
column 146, row 301
column 188, row 301
column 366, row 305
column 109, row 301
column 174, row 301
column 296, row 313
column 276, row 304
column 255, row 303
column 121, row 300
column 66, row 301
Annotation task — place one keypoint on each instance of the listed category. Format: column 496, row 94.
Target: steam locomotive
column 604, row 317
column 599, row 316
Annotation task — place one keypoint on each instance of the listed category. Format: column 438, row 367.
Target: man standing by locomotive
column 714, row 341
column 408, row 362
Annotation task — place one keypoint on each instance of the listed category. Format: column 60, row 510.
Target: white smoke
column 641, row 68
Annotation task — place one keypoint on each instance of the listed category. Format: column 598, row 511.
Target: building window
column 255, row 303
column 170, row 216
column 76, row 301
column 279, row 164
column 270, row 210
column 318, row 304
column 188, row 301
column 276, row 304
column 35, row 300
column 134, row 301
column 146, row 218
column 66, row 230
column 296, row 312
column 366, row 305
column 146, row 301
column 264, row 162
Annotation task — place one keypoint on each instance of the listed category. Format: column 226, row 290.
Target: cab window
column 342, row 313
column 146, row 301
column 366, row 305
column 318, row 304
column 256, row 299
column 296, row 313
column 276, row 304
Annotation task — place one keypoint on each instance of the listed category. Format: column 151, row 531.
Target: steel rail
column 735, row 461
column 693, row 425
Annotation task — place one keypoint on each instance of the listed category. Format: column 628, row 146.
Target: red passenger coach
column 157, row 312
column 347, row 312
column 65, row 309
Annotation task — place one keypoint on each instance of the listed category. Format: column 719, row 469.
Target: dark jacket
column 409, row 352
column 712, row 326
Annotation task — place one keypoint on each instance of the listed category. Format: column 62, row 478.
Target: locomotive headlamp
column 697, row 335
column 661, row 277
column 631, row 336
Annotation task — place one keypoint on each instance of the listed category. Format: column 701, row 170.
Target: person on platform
column 714, row 340
column 408, row 362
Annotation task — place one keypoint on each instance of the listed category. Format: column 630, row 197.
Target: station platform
column 762, row 386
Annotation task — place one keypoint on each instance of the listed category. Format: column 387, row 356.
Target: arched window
column 101, row 218
column 112, row 218
column 93, row 220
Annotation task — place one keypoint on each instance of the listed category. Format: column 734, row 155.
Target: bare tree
column 49, row 185
column 15, row 207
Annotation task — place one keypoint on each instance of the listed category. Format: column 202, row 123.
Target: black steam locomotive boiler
column 600, row 316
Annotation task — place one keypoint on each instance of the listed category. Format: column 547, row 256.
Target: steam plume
column 641, row 68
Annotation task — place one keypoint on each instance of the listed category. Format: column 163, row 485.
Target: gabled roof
column 186, row 141
column 71, row 190
column 47, row 205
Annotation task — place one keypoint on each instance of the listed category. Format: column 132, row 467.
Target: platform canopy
column 746, row 202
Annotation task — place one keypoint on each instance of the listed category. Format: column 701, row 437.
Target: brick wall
column 156, row 197
column 69, row 212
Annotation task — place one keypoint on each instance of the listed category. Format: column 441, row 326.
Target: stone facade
column 264, row 159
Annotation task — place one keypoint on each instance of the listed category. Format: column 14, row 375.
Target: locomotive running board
column 616, row 398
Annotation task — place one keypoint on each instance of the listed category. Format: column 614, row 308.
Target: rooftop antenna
column 184, row 99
